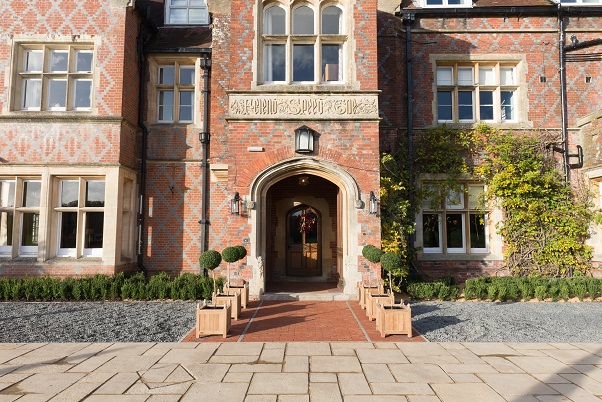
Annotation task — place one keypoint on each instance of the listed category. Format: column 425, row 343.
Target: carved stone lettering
column 305, row 106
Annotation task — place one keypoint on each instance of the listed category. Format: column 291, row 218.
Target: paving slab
column 353, row 384
column 492, row 349
column 387, row 388
column 272, row 355
column 296, row 364
column 577, row 356
column 308, row 349
column 216, row 392
column 575, row 393
column 279, row 383
column 585, row 382
column 128, row 364
column 324, row 392
column 184, row 356
column 322, row 377
column 47, row 383
column 375, row 398
column 377, row 373
column 381, row 356
column 421, row 373
column 117, row 384
column 334, row 364
column 240, row 349
column 421, row 349
column 516, row 384
column 541, row 365
column 464, row 392
column 205, row 373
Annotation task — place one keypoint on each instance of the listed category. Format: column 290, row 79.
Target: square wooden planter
column 213, row 320
column 232, row 299
column 243, row 291
column 395, row 319
column 364, row 289
column 373, row 299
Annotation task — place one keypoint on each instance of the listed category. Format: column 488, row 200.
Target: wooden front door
column 303, row 247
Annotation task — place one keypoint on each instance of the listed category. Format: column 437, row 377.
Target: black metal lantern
column 235, row 204
column 373, row 204
column 304, row 140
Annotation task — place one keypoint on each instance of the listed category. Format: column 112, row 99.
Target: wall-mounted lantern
column 235, row 204
column 372, row 203
column 304, row 140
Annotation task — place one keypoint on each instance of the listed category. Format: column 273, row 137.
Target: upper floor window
column 447, row 3
column 54, row 77
column 582, row 2
column 303, row 43
column 468, row 93
column 175, row 93
column 186, row 12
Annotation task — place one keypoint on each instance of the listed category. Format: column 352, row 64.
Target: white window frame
column 289, row 40
column 169, row 7
column 466, row 208
column 18, row 209
column 176, row 88
column 580, row 3
column 45, row 76
column 465, row 3
column 496, row 88
column 82, row 212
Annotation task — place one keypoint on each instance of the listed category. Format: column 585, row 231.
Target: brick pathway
column 304, row 321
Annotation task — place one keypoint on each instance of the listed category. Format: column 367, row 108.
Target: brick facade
column 251, row 152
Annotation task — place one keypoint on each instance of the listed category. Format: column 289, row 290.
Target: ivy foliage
column 546, row 222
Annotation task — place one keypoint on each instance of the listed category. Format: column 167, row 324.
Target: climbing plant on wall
column 546, row 222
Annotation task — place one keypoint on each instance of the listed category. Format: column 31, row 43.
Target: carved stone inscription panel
column 304, row 106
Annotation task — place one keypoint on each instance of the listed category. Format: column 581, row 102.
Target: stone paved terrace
column 301, row 371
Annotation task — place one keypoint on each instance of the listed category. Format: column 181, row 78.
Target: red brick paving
column 304, row 321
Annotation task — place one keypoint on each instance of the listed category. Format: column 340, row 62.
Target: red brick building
column 137, row 134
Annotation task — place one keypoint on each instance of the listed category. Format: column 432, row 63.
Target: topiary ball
column 230, row 254
column 372, row 253
column 210, row 259
column 242, row 252
column 390, row 262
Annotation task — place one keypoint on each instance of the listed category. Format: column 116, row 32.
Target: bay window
column 19, row 216
column 186, row 12
column 80, row 217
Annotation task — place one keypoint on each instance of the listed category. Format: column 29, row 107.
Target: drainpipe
column 204, row 137
column 563, row 102
column 142, row 84
column 408, row 21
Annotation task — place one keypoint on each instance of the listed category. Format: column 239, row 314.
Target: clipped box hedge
column 102, row 287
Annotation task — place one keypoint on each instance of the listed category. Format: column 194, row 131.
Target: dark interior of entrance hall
column 303, row 232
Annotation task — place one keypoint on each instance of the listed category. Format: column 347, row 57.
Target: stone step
column 305, row 296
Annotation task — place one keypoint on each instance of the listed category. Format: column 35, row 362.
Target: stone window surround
column 465, row 4
column 120, row 210
column 156, row 61
column 13, row 106
column 521, row 105
column 18, row 210
column 347, row 58
column 494, row 239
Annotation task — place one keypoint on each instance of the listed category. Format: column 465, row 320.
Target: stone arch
column 350, row 202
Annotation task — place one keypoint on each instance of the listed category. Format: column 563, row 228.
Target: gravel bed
column 96, row 321
column 171, row 321
column 508, row 322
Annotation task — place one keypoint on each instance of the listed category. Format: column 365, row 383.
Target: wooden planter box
column 233, row 300
column 213, row 320
column 243, row 291
column 396, row 319
column 365, row 289
column 373, row 299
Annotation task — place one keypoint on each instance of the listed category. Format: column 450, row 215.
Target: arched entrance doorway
column 332, row 192
column 303, row 232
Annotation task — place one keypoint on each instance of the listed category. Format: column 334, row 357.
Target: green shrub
column 492, row 291
column 526, row 289
column 210, row 259
column 476, row 288
column 372, row 253
column 578, row 287
column 540, row 292
column 159, row 286
column 242, row 252
column 593, row 287
column 564, row 290
column 230, row 254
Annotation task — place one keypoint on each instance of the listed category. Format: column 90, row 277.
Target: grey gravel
column 96, row 321
column 171, row 321
column 508, row 322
